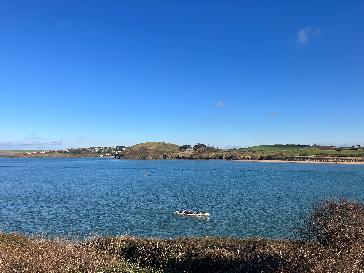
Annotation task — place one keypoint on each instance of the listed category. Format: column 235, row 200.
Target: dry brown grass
column 212, row 254
column 35, row 255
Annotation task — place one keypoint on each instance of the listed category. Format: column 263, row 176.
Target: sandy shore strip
column 303, row 161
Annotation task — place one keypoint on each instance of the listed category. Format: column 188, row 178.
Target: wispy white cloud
column 220, row 104
column 273, row 114
column 63, row 24
column 308, row 126
column 304, row 35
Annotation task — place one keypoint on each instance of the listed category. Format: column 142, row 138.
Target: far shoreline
column 206, row 159
column 301, row 161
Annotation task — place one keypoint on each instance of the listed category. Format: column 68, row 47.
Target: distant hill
column 151, row 150
column 164, row 150
column 286, row 152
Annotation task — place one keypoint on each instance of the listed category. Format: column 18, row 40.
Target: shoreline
column 301, row 161
column 207, row 159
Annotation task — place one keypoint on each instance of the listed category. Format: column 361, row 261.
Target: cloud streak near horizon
column 29, row 144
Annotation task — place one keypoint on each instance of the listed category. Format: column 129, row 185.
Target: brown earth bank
column 331, row 239
column 266, row 159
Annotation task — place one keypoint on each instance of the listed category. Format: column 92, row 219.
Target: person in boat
column 190, row 212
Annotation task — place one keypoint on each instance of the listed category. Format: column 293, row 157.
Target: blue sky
column 98, row 73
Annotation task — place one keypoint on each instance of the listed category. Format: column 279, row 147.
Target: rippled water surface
column 82, row 197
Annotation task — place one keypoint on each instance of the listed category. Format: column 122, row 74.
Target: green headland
column 163, row 150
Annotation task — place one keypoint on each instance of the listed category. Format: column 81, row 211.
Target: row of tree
column 199, row 147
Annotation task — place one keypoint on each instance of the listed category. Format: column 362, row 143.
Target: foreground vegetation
column 330, row 240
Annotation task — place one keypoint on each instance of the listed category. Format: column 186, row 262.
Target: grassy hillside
column 160, row 147
column 306, row 150
column 162, row 150
column 151, row 150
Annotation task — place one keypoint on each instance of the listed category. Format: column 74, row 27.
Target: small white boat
column 192, row 213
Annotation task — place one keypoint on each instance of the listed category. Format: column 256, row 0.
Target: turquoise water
column 85, row 197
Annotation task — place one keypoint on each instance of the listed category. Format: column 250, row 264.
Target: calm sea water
column 83, row 197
